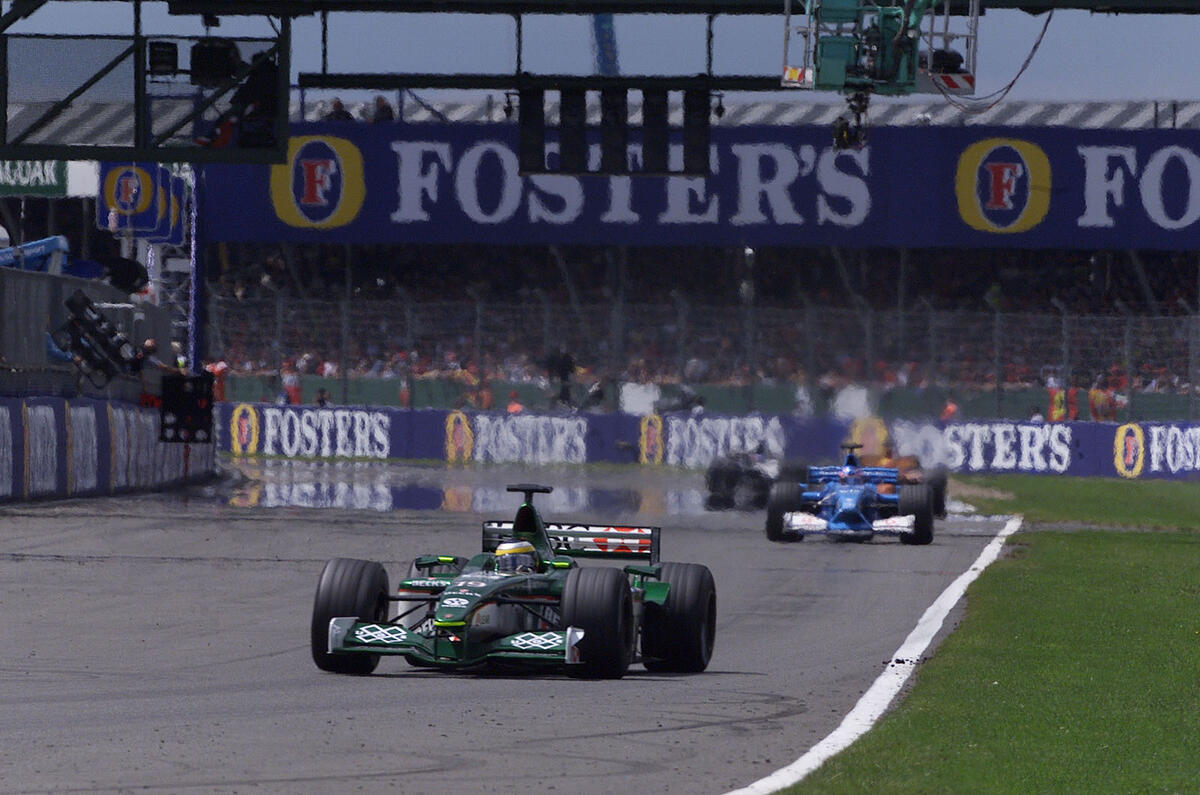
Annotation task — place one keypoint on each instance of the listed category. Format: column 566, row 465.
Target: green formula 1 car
column 524, row 601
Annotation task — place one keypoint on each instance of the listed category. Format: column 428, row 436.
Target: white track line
column 876, row 700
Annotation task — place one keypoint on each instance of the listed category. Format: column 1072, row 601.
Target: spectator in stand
column 514, row 406
column 322, row 398
column 484, row 399
column 1035, row 415
column 804, row 402
column 218, row 369
column 338, row 112
column 290, row 377
column 560, row 365
column 383, row 110
column 950, row 409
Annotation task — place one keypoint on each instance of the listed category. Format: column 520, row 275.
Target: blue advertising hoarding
column 170, row 229
column 693, row 441
column 973, row 187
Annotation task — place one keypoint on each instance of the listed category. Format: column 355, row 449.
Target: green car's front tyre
column 597, row 600
column 347, row 587
column 678, row 635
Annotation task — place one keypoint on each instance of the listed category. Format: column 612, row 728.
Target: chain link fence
column 689, row 343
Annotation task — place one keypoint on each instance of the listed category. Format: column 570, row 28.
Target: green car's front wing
column 448, row 647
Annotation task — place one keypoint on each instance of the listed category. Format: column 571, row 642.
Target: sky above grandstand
column 1083, row 56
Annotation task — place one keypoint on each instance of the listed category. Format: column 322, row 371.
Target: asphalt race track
column 160, row 644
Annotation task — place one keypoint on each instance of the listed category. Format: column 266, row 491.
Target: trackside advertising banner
column 780, row 186
column 1086, row 449
column 1133, row 450
column 55, row 448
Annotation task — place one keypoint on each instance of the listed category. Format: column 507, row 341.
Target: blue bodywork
column 850, row 502
column 848, row 497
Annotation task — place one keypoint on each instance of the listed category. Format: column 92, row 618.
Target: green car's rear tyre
column 917, row 499
column 597, row 600
column 679, row 635
column 347, row 587
column 784, row 498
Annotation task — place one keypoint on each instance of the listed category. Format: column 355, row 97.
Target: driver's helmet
column 516, row 557
column 847, row 474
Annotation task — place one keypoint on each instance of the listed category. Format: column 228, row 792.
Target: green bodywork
column 459, row 613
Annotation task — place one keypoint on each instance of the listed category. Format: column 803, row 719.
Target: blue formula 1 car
column 851, row 502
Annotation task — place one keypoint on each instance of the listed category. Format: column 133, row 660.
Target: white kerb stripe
column 876, row 700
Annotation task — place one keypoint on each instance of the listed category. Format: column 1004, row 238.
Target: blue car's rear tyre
column 784, row 497
column 916, row 499
column 937, row 481
column 679, row 634
column 347, row 587
column 597, row 600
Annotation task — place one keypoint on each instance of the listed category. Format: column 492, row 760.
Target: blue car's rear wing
column 868, row 474
column 622, row 542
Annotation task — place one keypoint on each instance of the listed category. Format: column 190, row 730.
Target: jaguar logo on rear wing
column 616, row 542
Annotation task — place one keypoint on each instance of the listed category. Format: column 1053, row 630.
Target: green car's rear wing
column 616, row 542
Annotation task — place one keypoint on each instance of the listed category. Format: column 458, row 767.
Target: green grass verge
column 1096, row 501
column 1075, row 668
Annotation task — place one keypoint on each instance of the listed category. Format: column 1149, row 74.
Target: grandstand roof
column 111, row 123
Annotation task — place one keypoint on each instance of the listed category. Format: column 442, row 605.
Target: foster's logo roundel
column 243, row 430
column 321, row 186
column 1003, row 185
column 129, row 190
column 1129, row 450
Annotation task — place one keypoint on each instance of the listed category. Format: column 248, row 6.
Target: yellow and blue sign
column 1003, row 185
column 129, row 197
column 1129, row 450
column 321, row 186
column 243, row 429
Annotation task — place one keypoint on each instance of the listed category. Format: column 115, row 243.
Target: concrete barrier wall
column 53, row 448
column 1090, row 449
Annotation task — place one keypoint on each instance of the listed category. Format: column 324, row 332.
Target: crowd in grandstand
column 1022, row 287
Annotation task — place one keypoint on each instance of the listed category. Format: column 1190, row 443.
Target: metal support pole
column 901, row 299
column 547, row 334
column 277, row 346
column 746, row 290
column 681, row 334
column 1194, row 365
column 345, row 368
column 345, row 371
column 810, row 360
column 407, row 311
column 324, row 42
column 477, row 351
column 1129, row 365
column 997, row 340
column 4, row 89
column 141, row 117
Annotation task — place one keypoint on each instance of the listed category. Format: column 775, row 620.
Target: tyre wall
column 1089, row 449
column 54, row 448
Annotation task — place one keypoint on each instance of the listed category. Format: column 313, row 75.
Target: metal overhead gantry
column 219, row 99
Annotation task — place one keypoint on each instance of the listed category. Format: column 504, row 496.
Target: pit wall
column 54, row 448
column 1089, row 449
